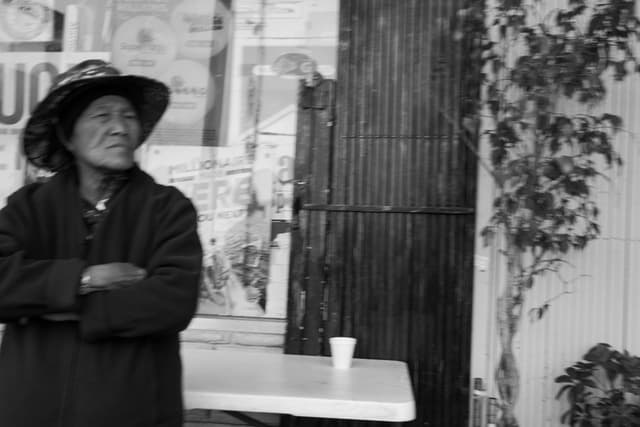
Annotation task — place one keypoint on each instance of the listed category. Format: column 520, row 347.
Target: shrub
column 603, row 389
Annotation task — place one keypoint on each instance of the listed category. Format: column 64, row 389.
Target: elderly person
column 99, row 266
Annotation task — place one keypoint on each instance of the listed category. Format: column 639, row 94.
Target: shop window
column 227, row 139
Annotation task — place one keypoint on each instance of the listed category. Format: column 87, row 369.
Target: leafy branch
column 545, row 162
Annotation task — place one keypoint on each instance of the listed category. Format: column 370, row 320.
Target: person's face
column 106, row 135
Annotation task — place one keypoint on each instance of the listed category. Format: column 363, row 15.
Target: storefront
column 384, row 230
column 227, row 139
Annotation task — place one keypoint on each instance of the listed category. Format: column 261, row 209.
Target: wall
column 235, row 334
column 598, row 302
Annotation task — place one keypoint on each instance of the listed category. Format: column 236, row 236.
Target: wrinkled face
column 106, row 135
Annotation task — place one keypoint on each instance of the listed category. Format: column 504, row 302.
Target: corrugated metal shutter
column 383, row 235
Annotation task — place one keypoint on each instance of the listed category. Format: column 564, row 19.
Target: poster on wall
column 287, row 19
column 185, row 44
column 26, row 21
column 272, row 74
column 275, row 154
column 11, row 166
column 276, row 44
column 233, row 194
column 87, row 25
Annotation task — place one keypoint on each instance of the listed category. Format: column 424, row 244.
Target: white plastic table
column 305, row 386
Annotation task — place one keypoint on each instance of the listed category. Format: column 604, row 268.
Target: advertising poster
column 275, row 154
column 232, row 193
column 271, row 74
column 185, row 44
column 26, row 21
column 11, row 167
column 276, row 44
column 287, row 19
column 87, row 25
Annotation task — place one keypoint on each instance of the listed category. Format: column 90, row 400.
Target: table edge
column 300, row 406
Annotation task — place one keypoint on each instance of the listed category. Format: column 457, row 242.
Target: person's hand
column 104, row 277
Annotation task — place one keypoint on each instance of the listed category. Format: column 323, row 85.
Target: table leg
column 247, row 419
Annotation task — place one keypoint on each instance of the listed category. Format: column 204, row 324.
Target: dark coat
column 119, row 364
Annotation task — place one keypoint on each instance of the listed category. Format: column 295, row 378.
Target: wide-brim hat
column 42, row 137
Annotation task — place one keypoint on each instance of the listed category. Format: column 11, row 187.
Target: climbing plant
column 531, row 65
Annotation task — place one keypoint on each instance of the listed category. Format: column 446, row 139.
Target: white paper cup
column 342, row 351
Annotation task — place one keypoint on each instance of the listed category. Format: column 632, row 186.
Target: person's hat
column 42, row 136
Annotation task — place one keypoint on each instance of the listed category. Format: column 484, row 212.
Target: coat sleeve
column 30, row 287
column 166, row 300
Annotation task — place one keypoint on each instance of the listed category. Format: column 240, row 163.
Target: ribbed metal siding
column 400, row 281
column 601, row 305
column 388, row 238
column 399, row 77
column 601, row 300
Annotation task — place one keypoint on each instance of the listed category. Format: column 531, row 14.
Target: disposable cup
column 342, row 351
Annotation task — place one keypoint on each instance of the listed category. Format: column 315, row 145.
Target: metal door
column 383, row 232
